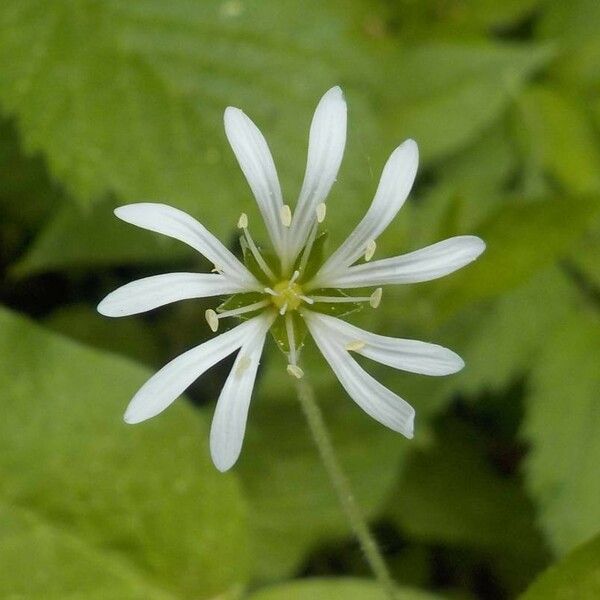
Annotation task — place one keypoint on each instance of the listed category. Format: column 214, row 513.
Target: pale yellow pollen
column 375, row 298
column 243, row 364
column 287, row 296
column 243, row 221
column 212, row 319
column 295, row 371
column 286, row 215
column 371, row 247
column 355, row 346
column 321, row 212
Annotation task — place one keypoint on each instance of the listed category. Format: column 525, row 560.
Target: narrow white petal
column 425, row 264
column 229, row 421
column 375, row 399
column 179, row 225
column 165, row 386
column 408, row 355
column 148, row 293
column 394, row 186
column 325, row 151
column 255, row 160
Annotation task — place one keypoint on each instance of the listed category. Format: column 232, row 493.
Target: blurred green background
column 114, row 101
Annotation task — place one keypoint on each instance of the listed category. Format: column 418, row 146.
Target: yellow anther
column 321, row 212
column 375, row 298
column 243, row 221
column 243, row 364
column 355, row 346
column 371, row 247
column 286, row 215
column 295, row 371
column 212, row 319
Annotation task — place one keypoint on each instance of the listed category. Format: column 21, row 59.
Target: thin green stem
column 340, row 483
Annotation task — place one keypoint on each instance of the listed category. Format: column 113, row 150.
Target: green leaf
column 561, row 425
column 574, row 27
column 40, row 561
column 522, row 238
column 577, row 576
column 130, row 337
column 335, row 589
column 450, row 494
column 148, row 494
column 559, row 139
column 72, row 239
column 509, row 335
column 293, row 506
column 129, row 98
column 467, row 88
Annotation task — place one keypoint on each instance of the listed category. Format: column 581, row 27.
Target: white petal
column 181, row 226
column 255, row 160
column 394, row 186
column 325, row 150
column 408, row 355
column 164, row 387
column 375, row 399
column 425, row 264
column 151, row 292
column 229, row 421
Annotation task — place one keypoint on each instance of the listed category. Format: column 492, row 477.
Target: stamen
column 294, row 277
column 255, row 252
column 283, row 309
column 308, row 247
column 355, row 346
column 243, row 309
column 371, row 247
column 295, row 371
column 244, row 363
column 340, row 299
column 243, row 221
column 375, row 298
column 306, row 299
column 321, row 212
column 271, row 291
column 212, row 319
column 286, row 215
column 293, row 368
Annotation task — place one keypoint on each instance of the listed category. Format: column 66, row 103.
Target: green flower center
column 289, row 295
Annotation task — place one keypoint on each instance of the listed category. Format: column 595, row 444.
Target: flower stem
column 340, row 483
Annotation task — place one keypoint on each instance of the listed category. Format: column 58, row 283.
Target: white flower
column 286, row 293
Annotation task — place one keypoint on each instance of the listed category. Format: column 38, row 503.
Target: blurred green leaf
column 559, row 139
column 147, row 494
column 129, row 98
column 573, row 26
column 335, row 589
column 450, row 494
column 293, row 506
column 577, row 576
column 508, row 337
column 72, row 239
column 522, row 238
column 129, row 337
column 445, row 95
column 561, row 425
column 40, row 561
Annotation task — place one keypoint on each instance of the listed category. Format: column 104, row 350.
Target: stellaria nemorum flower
column 295, row 291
